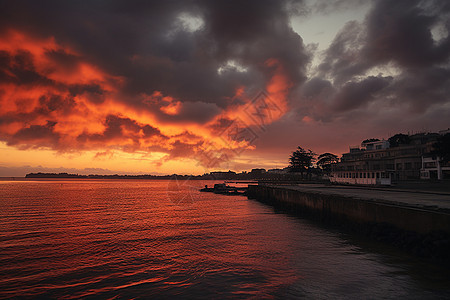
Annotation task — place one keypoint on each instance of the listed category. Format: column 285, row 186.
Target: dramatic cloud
column 398, row 58
column 209, row 79
column 142, row 76
column 386, row 74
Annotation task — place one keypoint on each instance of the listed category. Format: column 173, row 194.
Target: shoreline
column 418, row 223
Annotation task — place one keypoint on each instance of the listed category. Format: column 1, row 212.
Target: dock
column 224, row 189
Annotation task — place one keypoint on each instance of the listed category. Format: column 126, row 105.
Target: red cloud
column 52, row 97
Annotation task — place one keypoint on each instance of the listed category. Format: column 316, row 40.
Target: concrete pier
column 401, row 213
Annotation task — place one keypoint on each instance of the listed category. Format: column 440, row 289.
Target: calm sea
column 107, row 239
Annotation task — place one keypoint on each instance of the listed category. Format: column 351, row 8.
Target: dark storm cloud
column 355, row 94
column 254, row 31
column 342, row 58
column 218, row 127
column 199, row 111
column 19, row 69
column 330, row 6
column 152, row 47
column 36, row 136
column 63, row 59
column 423, row 88
column 410, row 38
column 400, row 31
column 317, row 88
column 180, row 149
column 51, row 103
column 48, row 106
column 131, row 75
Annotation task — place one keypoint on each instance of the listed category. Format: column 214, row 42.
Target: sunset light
column 78, row 91
column 225, row 149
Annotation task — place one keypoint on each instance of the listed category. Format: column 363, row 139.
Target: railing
column 360, row 180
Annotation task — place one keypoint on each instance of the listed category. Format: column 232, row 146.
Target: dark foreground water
column 164, row 239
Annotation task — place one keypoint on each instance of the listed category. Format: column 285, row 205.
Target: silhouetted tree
column 398, row 139
column 442, row 147
column 301, row 160
column 325, row 160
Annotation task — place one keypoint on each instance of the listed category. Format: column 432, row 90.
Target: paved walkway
column 411, row 198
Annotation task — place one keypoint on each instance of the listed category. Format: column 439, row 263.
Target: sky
column 190, row 87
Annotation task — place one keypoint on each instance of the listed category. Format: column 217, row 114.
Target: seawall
column 421, row 229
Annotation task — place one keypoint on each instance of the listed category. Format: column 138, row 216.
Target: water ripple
column 128, row 239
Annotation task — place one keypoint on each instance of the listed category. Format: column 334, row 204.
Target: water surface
column 164, row 239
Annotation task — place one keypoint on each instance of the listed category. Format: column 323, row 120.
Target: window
column 399, row 166
column 408, row 166
column 430, row 165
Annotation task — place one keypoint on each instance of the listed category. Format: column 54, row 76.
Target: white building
column 375, row 145
column 434, row 168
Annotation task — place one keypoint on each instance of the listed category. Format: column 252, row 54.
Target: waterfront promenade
column 425, row 198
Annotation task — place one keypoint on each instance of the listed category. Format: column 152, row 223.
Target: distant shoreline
column 97, row 176
column 179, row 177
column 231, row 176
